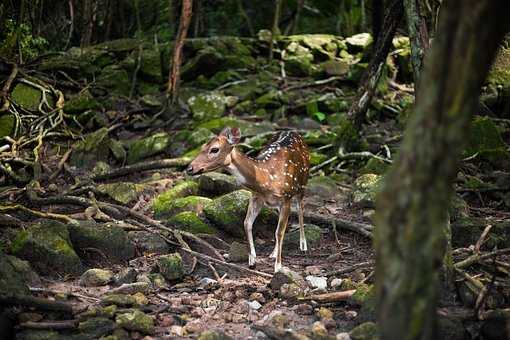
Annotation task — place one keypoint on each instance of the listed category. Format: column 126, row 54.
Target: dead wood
column 331, row 297
column 36, row 302
column 55, row 325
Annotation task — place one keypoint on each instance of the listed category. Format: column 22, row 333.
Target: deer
column 275, row 177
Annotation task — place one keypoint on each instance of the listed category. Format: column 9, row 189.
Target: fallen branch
column 331, row 297
column 36, row 302
column 361, row 228
column 479, row 257
column 42, row 214
column 351, row 268
column 55, row 325
column 143, row 166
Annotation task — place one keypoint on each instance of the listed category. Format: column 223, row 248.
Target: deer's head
column 215, row 154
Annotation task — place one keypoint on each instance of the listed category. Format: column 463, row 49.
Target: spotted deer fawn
column 276, row 176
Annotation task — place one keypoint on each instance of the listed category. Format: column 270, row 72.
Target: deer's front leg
column 302, row 236
column 280, row 231
column 253, row 210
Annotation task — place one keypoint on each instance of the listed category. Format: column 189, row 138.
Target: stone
column 365, row 189
column 317, row 282
column 180, row 204
column 375, row 166
column 336, row 67
column 157, row 280
column 486, row 142
column 47, row 246
column 148, row 146
column 365, row 331
column 7, row 124
column 359, row 42
column 213, row 335
column 149, row 243
column 323, row 186
column 255, row 305
column 97, row 327
column 313, row 235
column 136, row 321
column 206, row 62
column 131, row 288
column 171, row 266
column 123, row 192
column 191, row 222
column 33, row 334
column 284, row 276
column 92, row 149
column 319, row 331
column 238, row 252
column 264, row 35
column 103, row 312
column 119, row 300
column 347, row 137
column 336, row 283
column 16, row 275
column 140, row 298
column 125, row 275
column 343, row 336
column 181, row 189
column 207, row 106
column 215, row 183
column 26, row 96
column 110, row 239
column 115, row 79
column 96, row 277
column 200, row 136
column 228, row 212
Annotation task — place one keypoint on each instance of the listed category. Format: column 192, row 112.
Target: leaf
column 320, row 116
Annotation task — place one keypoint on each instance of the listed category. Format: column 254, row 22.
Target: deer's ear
column 233, row 135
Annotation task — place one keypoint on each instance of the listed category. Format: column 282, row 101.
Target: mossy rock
column 148, row 146
column 115, row 79
column 359, row 42
column 171, row 266
column 81, row 102
column 99, row 311
column 375, row 166
column 272, row 99
column 313, row 235
column 16, row 275
column 74, row 66
column 485, row 141
column 500, row 71
column 213, row 335
column 336, row 67
column 299, row 65
column 323, row 186
column 317, row 158
column 191, row 222
column 108, row 238
column 318, row 137
column 149, row 243
column 95, row 277
column 181, row 189
column 123, row 192
column 92, row 149
column 365, row 189
column 206, row 62
column 207, row 106
column 7, row 124
column 119, row 45
column 26, row 96
column 136, row 321
column 97, row 327
column 365, row 331
column 200, row 136
column 215, row 183
column 150, row 68
column 119, row 300
column 47, row 246
column 347, row 137
column 92, row 55
column 365, row 297
column 36, row 334
column 228, row 212
column 188, row 203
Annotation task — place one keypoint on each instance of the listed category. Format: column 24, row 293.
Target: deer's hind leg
column 280, row 233
column 302, row 237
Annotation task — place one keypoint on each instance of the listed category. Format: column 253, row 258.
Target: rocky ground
column 103, row 236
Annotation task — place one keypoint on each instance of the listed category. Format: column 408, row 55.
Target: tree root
column 36, row 302
column 143, row 166
column 480, row 257
column 331, row 297
column 360, row 228
column 54, row 325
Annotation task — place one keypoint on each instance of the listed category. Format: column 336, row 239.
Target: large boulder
column 111, row 240
column 148, row 146
column 181, row 189
column 16, row 275
column 228, row 212
column 47, row 246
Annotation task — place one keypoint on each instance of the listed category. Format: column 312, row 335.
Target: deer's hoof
column 252, row 266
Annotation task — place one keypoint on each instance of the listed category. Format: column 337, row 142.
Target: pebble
column 343, row 336
column 336, row 283
column 255, row 305
column 317, row 282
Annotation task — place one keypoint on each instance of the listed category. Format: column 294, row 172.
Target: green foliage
column 14, row 34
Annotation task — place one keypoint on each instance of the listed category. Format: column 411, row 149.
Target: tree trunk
column 295, row 20
column 366, row 90
column 418, row 34
column 275, row 30
column 377, row 18
column 412, row 206
column 175, row 67
column 246, row 18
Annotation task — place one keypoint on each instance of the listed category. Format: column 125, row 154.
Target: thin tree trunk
column 175, row 67
column 275, row 30
column 418, row 34
column 377, row 18
column 196, row 19
column 412, row 206
column 246, row 18
column 295, row 21
column 366, row 90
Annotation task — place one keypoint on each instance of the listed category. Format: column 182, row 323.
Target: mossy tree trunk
column 418, row 34
column 412, row 206
column 175, row 65
column 358, row 110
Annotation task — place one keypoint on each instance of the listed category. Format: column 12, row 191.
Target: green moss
column 182, row 189
column 485, row 141
column 319, row 137
column 114, row 79
column 83, row 101
column 119, row 300
column 207, row 106
column 313, row 235
column 200, row 136
column 93, row 148
column 16, row 275
column 375, row 166
column 317, row 158
column 123, row 192
column 365, row 331
column 500, row 71
column 366, row 188
column 26, row 96
column 96, row 327
column 148, row 146
column 346, row 136
column 180, row 204
column 171, row 266
column 136, row 321
column 191, row 222
column 7, row 124
column 151, row 65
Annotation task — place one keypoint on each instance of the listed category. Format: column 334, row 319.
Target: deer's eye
column 214, row 150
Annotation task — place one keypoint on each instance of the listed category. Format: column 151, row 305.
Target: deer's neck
column 243, row 168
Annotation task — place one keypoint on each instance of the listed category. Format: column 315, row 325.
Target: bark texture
column 175, row 67
column 393, row 16
column 418, row 34
column 412, row 206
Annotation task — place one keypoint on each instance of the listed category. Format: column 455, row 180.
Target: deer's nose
column 189, row 170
